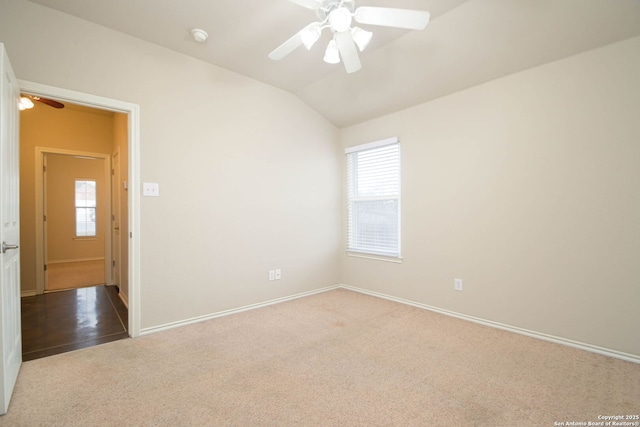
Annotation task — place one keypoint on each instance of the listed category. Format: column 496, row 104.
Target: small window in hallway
column 85, row 208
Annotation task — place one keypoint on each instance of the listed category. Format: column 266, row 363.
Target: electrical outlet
column 272, row 274
column 278, row 274
column 457, row 284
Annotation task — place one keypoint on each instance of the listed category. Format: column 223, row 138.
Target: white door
column 10, row 339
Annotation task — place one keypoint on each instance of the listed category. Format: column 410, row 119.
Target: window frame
column 351, row 198
column 76, row 207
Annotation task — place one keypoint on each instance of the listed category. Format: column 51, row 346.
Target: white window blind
column 373, row 198
column 85, row 202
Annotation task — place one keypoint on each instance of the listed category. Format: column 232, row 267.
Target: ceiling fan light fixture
column 338, row 16
column 331, row 55
column 361, row 37
column 25, row 103
column 310, row 36
column 340, row 19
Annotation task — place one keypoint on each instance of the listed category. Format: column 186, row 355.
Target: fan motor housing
column 327, row 6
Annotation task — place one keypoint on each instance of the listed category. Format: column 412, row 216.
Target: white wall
column 248, row 174
column 527, row 188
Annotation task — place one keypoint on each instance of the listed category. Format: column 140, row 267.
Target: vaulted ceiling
column 468, row 42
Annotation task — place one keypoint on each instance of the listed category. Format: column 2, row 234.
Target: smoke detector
column 199, row 35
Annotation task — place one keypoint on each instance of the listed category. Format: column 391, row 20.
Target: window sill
column 396, row 260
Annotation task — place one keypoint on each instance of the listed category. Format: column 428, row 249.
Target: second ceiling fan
column 338, row 15
column 26, row 102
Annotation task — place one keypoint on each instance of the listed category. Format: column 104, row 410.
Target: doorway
column 76, row 188
column 72, row 192
column 128, row 153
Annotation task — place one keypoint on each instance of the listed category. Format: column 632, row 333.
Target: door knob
column 6, row 247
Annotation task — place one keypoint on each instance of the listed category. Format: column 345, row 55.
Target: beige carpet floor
column 69, row 275
column 337, row 358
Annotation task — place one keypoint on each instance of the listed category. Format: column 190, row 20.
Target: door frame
column 116, row 211
column 133, row 193
column 41, row 152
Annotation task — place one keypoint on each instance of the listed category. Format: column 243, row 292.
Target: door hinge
column 113, row 172
column 45, row 267
column 113, row 263
column 44, row 218
column 113, row 217
column 44, row 168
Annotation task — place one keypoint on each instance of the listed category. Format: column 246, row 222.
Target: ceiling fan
column 26, row 102
column 338, row 15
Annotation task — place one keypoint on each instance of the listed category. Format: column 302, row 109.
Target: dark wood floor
column 63, row 321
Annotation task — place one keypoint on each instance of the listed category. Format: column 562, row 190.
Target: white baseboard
column 166, row 326
column 539, row 335
column 124, row 299
column 533, row 334
column 64, row 261
column 31, row 293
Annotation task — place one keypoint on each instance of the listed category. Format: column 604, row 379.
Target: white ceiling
column 468, row 42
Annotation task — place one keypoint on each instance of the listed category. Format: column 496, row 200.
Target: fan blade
column 292, row 44
column 348, row 52
column 309, row 4
column 287, row 47
column 388, row 17
column 49, row 102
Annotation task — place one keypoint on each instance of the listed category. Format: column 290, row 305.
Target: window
column 85, row 208
column 373, row 198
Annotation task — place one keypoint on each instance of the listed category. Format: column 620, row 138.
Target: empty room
column 338, row 212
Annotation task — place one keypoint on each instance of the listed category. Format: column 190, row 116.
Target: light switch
column 150, row 189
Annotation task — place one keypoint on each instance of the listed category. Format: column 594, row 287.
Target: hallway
column 63, row 321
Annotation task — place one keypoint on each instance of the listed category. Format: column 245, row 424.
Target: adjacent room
column 334, row 212
column 73, row 189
